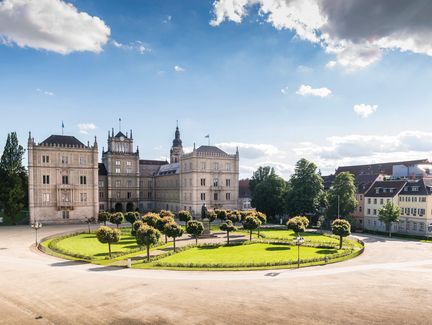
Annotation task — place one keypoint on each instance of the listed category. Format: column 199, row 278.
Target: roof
column 169, row 169
column 385, row 188
column 102, row 170
column 418, row 187
column 381, row 168
column 120, row 134
column 244, row 189
column 62, row 140
column 152, row 162
column 211, row 150
column 364, row 182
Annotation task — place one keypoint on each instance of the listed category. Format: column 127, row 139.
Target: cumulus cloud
column 306, row 90
column 250, row 150
column 45, row 92
column 51, row 25
column 84, row 128
column 138, row 46
column 365, row 110
column 356, row 32
column 178, row 68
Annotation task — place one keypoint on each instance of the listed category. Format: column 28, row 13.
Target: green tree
column 103, row 217
column 116, row 218
column 13, row 178
column 211, row 216
column 234, row 216
column 195, row 229
column 147, row 236
column 342, row 194
column 166, row 213
column 185, row 216
column 341, row 228
column 298, row 224
column 161, row 222
column 304, row 190
column 263, row 218
column 131, row 217
column 228, row 227
column 151, row 219
column 260, row 175
column 107, row 235
column 135, row 226
column 388, row 214
column 173, row 230
column 268, row 195
column 221, row 214
column 251, row 223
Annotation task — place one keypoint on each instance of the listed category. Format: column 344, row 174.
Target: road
column 390, row 283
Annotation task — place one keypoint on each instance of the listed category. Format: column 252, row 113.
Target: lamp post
column 36, row 225
column 338, row 207
column 298, row 241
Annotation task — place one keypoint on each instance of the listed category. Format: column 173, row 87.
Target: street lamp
column 36, row 225
column 298, row 241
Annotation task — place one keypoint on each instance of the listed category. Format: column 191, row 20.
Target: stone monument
column 205, row 220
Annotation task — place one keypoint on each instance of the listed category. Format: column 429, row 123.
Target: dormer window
column 415, row 188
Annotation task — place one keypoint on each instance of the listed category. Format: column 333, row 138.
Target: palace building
column 68, row 184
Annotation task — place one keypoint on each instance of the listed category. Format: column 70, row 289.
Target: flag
column 62, row 125
column 207, row 136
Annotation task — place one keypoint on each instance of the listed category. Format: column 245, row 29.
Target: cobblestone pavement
column 391, row 283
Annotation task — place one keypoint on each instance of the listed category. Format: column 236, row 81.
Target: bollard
column 129, row 263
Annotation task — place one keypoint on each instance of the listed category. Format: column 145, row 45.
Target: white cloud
column 51, row 25
column 178, row 69
column 365, row 110
column 306, row 90
column 331, row 64
column 284, row 90
column 84, row 128
column 132, row 46
column 167, row 20
column 45, row 92
column 336, row 26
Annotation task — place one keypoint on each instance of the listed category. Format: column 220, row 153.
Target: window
column 128, row 170
column 368, row 211
column 118, row 195
column 82, row 160
column 422, row 226
column 216, row 166
column 129, row 183
column 128, row 163
column 228, row 167
column 117, row 183
column 360, row 209
column 64, row 159
column 45, row 179
column 228, row 182
column 83, row 180
column 45, row 159
column 117, row 162
column 190, row 182
column 203, row 165
column 228, row 196
column 415, row 226
column 65, row 197
column 117, row 170
column 374, row 212
column 45, row 197
column 149, row 195
column 129, row 195
column 65, row 214
column 387, row 200
column 381, row 201
column 203, row 181
column 83, row 197
column 65, row 180
column 215, row 196
column 369, row 200
column 190, row 166
column 101, row 195
column 101, row 207
column 203, row 196
column 101, row 183
column 215, row 182
column 375, row 201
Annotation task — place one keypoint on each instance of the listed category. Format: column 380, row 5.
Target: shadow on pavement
column 68, row 263
column 105, row 269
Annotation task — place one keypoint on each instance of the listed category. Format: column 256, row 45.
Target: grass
column 251, row 254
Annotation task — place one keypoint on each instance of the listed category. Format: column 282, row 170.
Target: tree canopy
column 341, row 228
column 388, row 214
column 343, row 187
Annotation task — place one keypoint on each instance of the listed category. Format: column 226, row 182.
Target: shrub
column 173, row 230
column 166, row 213
column 297, row 224
column 131, row 217
column 103, row 217
column 250, row 223
column 151, row 219
column 160, row 225
column 234, row 216
column 135, row 226
column 185, row 216
column 228, row 227
column 211, row 215
column 147, row 236
column 107, row 235
column 221, row 214
column 117, row 218
column 341, row 228
column 195, row 229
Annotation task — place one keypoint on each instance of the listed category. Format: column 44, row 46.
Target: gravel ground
column 390, row 283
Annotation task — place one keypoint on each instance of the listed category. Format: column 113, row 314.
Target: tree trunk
column 196, row 240
column 109, row 249
column 148, row 253
column 390, row 229
column 228, row 237
column 166, row 239
column 104, row 223
column 250, row 235
column 258, row 232
column 340, row 242
column 174, row 244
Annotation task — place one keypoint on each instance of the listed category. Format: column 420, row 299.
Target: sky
column 335, row 81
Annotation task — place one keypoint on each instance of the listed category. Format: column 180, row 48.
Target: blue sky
column 163, row 61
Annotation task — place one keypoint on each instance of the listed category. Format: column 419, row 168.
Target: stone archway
column 118, row 207
column 130, row 207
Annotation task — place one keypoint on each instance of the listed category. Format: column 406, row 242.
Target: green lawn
column 285, row 234
column 242, row 254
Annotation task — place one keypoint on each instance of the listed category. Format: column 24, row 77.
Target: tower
column 177, row 147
